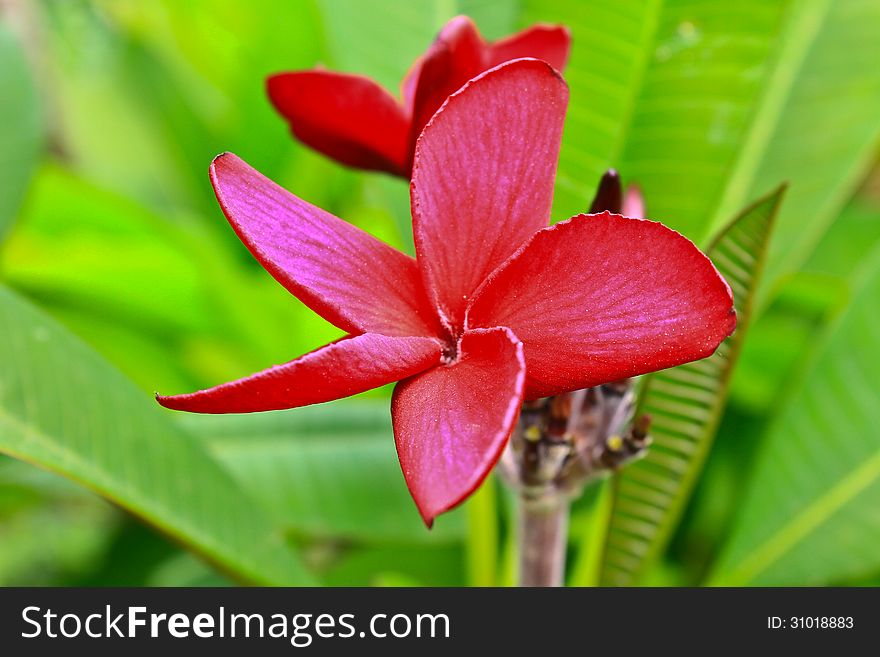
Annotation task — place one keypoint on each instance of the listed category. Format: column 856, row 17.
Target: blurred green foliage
column 20, row 127
column 120, row 277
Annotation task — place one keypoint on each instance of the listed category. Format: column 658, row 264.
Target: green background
column 119, row 277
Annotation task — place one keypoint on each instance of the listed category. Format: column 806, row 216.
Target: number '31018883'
column 810, row 623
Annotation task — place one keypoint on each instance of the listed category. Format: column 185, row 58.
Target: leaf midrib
column 651, row 30
column 193, row 537
column 795, row 44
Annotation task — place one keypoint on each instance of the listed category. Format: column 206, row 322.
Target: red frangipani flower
column 497, row 308
column 353, row 120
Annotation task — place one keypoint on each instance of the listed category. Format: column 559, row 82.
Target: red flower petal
column 342, row 273
column 457, row 55
column 451, row 423
column 550, row 43
column 460, row 53
column 483, row 177
column 600, row 297
column 340, row 369
column 349, row 118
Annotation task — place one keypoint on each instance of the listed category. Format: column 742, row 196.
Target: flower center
column 449, row 353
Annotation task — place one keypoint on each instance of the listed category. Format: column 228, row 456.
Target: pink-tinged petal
column 408, row 87
column 342, row 273
column 457, row 55
column 601, row 297
column 460, row 53
column 550, row 43
column 349, row 118
column 340, row 369
column 483, row 177
column 633, row 203
column 451, row 423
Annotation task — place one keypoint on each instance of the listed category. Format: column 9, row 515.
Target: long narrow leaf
column 810, row 514
column 327, row 470
column 64, row 409
column 825, row 73
column 661, row 90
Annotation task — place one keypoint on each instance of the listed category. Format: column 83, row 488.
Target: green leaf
column 825, row 74
column 495, row 18
column 167, row 303
column 66, row 410
column 326, row 470
column 685, row 404
column 662, row 91
column 53, row 531
column 148, row 93
column 53, row 544
column 380, row 39
column 587, row 568
column 202, row 94
column 183, row 570
column 847, row 243
column 430, row 565
column 101, row 126
column 99, row 251
column 707, row 107
column 482, row 540
column 383, row 38
column 20, row 127
column 809, row 512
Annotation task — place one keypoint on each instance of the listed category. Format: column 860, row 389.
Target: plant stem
column 543, row 533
